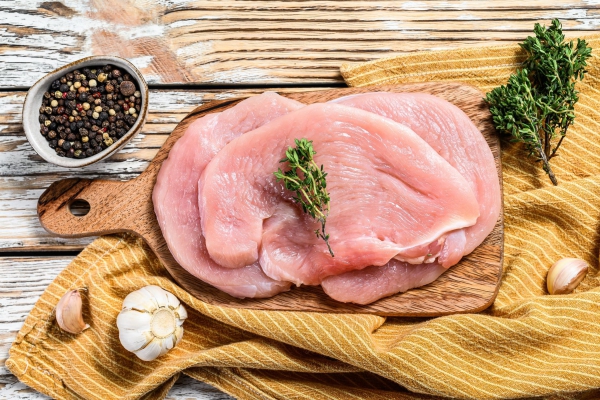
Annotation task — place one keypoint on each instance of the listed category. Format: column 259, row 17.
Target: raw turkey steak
column 392, row 196
column 175, row 194
column 450, row 132
column 454, row 136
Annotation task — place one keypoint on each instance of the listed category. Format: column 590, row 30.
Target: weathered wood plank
column 270, row 42
column 24, row 175
column 22, row 281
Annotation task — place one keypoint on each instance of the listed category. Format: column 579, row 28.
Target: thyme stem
column 311, row 187
column 536, row 106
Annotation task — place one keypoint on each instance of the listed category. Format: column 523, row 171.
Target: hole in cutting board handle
column 79, row 208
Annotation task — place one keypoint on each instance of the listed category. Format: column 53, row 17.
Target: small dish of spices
column 85, row 111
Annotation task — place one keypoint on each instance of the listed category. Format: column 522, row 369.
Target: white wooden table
column 192, row 52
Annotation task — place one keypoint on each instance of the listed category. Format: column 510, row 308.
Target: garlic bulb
column 150, row 323
column 69, row 314
column 565, row 275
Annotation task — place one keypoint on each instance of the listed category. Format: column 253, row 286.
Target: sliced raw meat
column 373, row 283
column 454, row 136
column 175, row 194
column 391, row 194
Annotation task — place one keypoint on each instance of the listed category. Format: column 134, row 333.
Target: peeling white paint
column 148, row 30
column 468, row 17
column 414, row 5
column 195, row 51
column 238, row 75
column 182, row 23
column 142, row 62
column 392, row 25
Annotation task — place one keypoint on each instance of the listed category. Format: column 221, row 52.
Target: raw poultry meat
column 175, row 194
column 373, row 283
column 452, row 134
column 392, row 196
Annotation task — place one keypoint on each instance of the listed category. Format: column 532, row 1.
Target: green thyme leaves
column 307, row 180
column 536, row 106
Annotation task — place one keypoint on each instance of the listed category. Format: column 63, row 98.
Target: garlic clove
column 69, row 313
column 565, row 275
column 134, row 341
column 159, row 295
column 178, row 335
column 181, row 314
column 140, row 300
column 134, row 320
column 173, row 301
column 151, row 351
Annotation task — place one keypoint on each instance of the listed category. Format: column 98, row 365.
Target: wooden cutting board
column 469, row 286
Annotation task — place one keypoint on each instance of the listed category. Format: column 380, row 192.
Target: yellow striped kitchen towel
column 527, row 345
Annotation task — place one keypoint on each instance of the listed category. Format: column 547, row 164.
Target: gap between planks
column 24, row 175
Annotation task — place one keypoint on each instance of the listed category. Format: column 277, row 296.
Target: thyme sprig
column 536, row 106
column 308, row 181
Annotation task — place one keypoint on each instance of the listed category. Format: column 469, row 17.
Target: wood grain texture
column 22, row 281
column 24, row 175
column 469, row 286
column 249, row 42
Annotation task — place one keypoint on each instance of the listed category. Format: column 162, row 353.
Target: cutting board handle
column 111, row 207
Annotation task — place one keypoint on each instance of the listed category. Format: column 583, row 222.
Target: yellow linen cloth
column 528, row 344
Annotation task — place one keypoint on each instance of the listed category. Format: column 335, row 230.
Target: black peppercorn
column 67, row 112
